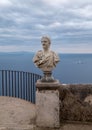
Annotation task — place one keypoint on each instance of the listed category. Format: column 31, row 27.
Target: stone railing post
column 47, row 103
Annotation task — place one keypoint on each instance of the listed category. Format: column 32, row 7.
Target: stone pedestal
column 47, row 103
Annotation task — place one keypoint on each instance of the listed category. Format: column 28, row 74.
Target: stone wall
column 79, row 90
column 76, row 102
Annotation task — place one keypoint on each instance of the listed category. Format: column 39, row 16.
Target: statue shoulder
column 53, row 52
column 56, row 56
column 39, row 52
column 37, row 55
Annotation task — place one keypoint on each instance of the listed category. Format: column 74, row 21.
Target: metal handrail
column 18, row 84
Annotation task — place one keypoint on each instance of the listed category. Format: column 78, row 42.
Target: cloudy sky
column 67, row 22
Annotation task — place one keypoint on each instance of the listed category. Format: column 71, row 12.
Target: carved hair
column 46, row 37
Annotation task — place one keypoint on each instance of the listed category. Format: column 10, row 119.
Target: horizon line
column 36, row 51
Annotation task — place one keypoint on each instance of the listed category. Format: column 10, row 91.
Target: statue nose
column 43, row 44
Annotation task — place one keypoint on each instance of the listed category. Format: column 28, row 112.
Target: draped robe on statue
column 46, row 62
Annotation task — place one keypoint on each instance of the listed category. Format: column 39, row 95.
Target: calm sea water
column 72, row 68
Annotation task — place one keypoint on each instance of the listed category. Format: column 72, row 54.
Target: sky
column 67, row 22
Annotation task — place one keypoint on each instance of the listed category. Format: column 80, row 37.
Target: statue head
column 45, row 40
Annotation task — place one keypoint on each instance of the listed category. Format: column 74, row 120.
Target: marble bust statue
column 46, row 59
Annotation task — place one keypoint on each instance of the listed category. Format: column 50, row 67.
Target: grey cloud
column 24, row 22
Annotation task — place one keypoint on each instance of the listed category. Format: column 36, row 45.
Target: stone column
column 47, row 103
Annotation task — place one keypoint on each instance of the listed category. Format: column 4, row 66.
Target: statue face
column 45, row 43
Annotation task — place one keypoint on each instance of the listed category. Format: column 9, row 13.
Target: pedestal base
column 47, row 77
column 47, row 85
column 47, row 103
column 47, row 109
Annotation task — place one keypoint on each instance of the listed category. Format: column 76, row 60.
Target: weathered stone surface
column 88, row 99
column 73, row 126
column 47, row 85
column 29, row 127
column 73, row 107
column 79, row 90
column 47, row 102
column 70, row 126
column 15, row 112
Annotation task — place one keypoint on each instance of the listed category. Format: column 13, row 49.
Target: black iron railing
column 18, row 84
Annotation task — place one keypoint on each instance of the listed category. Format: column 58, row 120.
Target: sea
column 72, row 68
